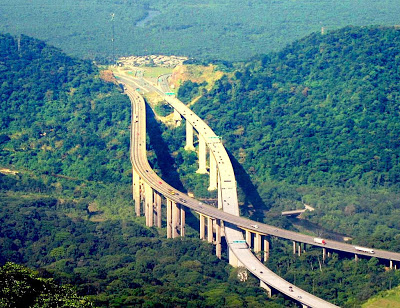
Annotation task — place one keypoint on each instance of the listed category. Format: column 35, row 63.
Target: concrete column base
column 266, row 287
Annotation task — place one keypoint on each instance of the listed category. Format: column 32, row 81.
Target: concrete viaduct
column 223, row 221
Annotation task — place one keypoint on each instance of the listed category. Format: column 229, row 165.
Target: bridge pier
column 202, row 226
column 183, row 219
column 149, row 210
column 136, row 191
column 248, row 238
column 189, row 137
column 233, row 260
column 210, row 235
column 218, row 238
column 157, row 201
column 257, row 245
column 294, row 247
column 213, row 173
column 169, row 218
column 299, row 249
column 175, row 219
column 177, row 118
column 202, row 156
column 266, row 288
column 323, row 254
column 266, row 249
column 220, row 204
column 355, row 257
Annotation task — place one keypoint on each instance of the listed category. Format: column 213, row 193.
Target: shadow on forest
column 166, row 162
column 254, row 206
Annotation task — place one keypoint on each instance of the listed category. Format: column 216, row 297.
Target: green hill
column 318, row 122
column 66, row 202
column 225, row 29
column 386, row 299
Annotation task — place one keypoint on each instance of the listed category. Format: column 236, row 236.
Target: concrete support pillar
column 220, row 204
column 157, row 202
column 356, row 257
column 142, row 192
column 323, row 254
column 183, row 220
column 248, row 237
column 266, row 249
column 202, row 226
column 175, row 219
column 266, row 287
column 210, row 234
column 177, row 118
column 149, row 210
column 294, row 247
column 202, row 156
column 213, row 173
column 136, row 191
column 233, row 261
column 169, row 218
column 329, row 254
column 299, row 249
column 189, row 137
column 257, row 245
column 391, row 264
column 218, row 238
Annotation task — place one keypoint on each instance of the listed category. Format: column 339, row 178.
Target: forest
column 318, row 123
column 66, row 206
column 314, row 123
column 229, row 30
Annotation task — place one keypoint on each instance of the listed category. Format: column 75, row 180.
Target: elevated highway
column 227, row 211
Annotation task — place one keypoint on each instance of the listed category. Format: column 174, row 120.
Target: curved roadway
column 230, row 213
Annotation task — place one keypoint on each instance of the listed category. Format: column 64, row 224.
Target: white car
column 255, row 226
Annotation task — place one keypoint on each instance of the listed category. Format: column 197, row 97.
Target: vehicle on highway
column 159, row 182
column 364, row 249
column 172, row 192
column 319, row 240
column 182, row 200
column 255, row 226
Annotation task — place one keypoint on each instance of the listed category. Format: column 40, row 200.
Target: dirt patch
column 108, row 76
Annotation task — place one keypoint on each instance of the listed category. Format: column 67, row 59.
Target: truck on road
column 364, row 249
column 319, row 240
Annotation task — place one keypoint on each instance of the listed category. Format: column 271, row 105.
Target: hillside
column 229, row 30
column 318, row 123
column 387, row 299
column 66, row 201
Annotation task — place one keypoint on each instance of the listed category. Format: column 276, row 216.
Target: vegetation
column 339, row 280
column 67, row 211
column 229, row 30
column 58, row 117
column 22, row 287
column 385, row 299
column 318, row 123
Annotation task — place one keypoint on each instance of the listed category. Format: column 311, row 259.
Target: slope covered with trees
column 67, row 211
column 207, row 29
column 57, row 116
column 318, row 123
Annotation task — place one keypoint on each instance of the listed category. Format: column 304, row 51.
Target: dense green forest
column 318, row 123
column 22, row 287
column 57, row 116
column 228, row 29
column 67, row 208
